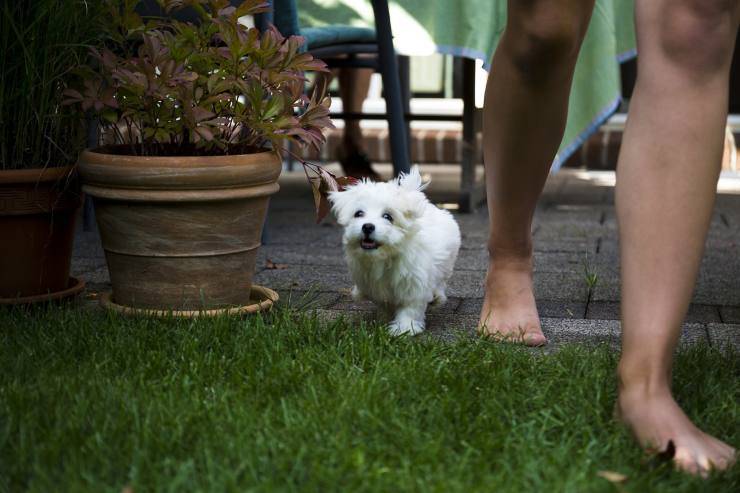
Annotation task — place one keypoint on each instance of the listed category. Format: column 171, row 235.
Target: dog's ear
column 414, row 205
column 412, row 180
column 340, row 205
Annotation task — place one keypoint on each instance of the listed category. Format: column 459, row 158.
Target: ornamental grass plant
column 40, row 44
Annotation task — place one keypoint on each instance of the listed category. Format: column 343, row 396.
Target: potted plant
column 39, row 142
column 196, row 114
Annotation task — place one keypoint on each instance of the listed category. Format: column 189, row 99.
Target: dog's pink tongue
column 368, row 243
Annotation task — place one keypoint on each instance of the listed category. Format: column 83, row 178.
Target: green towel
column 471, row 28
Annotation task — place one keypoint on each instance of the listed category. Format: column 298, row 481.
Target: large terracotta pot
column 38, row 208
column 180, row 233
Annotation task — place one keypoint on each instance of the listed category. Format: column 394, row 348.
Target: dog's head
column 379, row 217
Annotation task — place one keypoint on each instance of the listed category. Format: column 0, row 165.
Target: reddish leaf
column 204, row 132
column 270, row 265
column 328, row 180
column 322, row 182
column 72, row 93
column 346, row 181
column 212, row 86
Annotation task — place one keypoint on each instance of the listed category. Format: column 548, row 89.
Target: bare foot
column 660, row 426
column 509, row 312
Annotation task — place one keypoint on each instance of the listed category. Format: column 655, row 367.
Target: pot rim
column 37, row 175
column 185, row 160
column 177, row 173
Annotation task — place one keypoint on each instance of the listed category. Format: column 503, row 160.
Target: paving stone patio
column 575, row 233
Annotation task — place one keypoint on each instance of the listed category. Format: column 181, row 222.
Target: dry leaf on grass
column 612, row 476
column 270, row 265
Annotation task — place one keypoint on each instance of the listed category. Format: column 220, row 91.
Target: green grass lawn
column 95, row 402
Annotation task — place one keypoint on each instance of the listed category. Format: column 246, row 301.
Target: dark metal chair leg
column 470, row 141
column 392, row 86
column 404, row 76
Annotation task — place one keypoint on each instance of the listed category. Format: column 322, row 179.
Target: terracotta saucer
column 75, row 286
column 261, row 299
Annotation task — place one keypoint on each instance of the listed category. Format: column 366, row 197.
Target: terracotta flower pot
column 180, row 233
column 38, row 208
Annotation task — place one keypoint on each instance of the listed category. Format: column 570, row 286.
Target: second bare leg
column 667, row 176
column 524, row 117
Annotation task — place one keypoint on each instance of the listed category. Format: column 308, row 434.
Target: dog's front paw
column 439, row 298
column 406, row 327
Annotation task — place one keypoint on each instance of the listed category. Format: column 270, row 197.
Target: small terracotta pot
column 38, row 208
column 180, row 233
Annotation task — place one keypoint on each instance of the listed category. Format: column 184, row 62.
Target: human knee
column 543, row 35
column 699, row 35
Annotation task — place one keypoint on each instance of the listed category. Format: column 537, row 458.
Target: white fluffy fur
column 416, row 253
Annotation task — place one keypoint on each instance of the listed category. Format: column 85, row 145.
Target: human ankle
column 642, row 384
column 510, row 252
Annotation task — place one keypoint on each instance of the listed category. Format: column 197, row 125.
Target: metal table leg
column 470, row 191
column 392, row 86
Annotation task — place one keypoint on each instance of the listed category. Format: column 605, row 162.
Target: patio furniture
column 344, row 46
column 471, row 29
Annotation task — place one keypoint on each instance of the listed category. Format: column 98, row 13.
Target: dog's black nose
column 368, row 228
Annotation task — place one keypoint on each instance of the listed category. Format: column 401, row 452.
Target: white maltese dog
column 400, row 247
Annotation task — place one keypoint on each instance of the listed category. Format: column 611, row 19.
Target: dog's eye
column 388, row 217
column 359, row 214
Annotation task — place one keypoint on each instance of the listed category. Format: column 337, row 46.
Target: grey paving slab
column 561, row 331
column 608, row 244
column 546, row 308
column 472, row 259
column 87, row 243
column 82, row 265
column 286, row 254
column 304, row 236
column 451, row 306
column 603, row 310
column 609, row 310
column 305, row 277
column 575, row 233
column 563, row 214
column 439, row 323
column 346, row 303
column 544, row 261
column 692, row 333
column 709, row 290
column 557, row 244
column 356, row 317
column 606, row 289
column 720, row 290
column 730, row 314
column 308, row 299
column 572, row 230
column 724, row 335
column 547, row 285
column 96, row 277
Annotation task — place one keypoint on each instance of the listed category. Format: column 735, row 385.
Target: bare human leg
column 353, row 86
column 667, row 175
column 524, row 114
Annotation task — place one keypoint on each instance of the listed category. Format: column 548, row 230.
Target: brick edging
column 430, row 146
